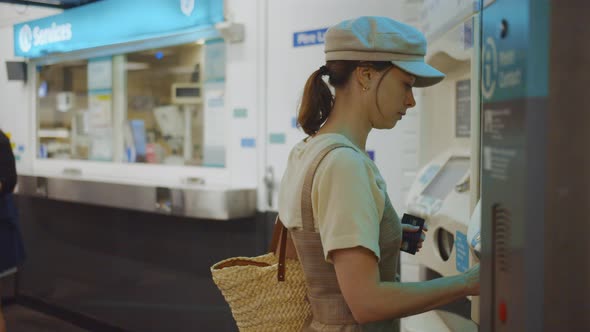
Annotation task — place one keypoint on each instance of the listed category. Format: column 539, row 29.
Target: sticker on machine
column 248, row 142
column 462, row 252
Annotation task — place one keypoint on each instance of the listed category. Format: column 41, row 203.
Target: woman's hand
column 413, row 229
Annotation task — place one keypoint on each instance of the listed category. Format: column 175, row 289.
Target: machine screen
column 447, row 178
column 188, row 92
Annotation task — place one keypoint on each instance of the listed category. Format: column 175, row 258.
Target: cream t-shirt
column 348, row 194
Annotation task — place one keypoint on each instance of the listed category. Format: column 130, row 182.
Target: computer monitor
column 447, row 178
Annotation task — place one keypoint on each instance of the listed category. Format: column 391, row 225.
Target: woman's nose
column 410, row 101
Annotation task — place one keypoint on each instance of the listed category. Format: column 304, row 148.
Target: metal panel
column 536, row 173
column 567, row 250
column 217, row 204
column 515, row 95
column 220, row 204
column 108, row 194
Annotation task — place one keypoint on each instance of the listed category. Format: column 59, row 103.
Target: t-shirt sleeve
column 347, row 203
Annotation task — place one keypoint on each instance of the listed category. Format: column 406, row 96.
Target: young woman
column 350, row 247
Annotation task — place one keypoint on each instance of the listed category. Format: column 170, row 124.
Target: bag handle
column 279, row 238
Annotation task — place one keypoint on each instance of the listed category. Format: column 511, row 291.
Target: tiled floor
column 21, row 319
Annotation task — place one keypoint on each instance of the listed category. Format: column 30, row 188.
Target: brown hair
column 317, row 101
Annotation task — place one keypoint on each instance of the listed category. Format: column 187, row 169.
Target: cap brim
column 426, row 75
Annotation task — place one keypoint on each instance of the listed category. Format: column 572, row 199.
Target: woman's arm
column 371, row 300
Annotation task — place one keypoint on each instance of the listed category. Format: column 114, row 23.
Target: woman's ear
column 363, row 77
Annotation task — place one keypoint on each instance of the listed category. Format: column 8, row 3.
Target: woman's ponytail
column 316, row 103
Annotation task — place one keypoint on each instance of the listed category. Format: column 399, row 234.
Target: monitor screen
column 16, row 70
column 447, row 178
column 188, row 92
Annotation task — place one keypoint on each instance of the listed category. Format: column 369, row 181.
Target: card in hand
column 410, row 240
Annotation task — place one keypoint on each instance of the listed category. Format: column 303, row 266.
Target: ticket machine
column 441, row 194
column 446, row 187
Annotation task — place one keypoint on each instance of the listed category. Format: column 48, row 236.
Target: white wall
column 243, row 88
column 14, row 97
column 289, row 67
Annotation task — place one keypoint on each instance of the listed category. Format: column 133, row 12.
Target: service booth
column 131, row 103
column 135, row 185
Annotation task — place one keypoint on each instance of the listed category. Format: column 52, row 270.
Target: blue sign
column 308, row 38
column 515, row 56
column 120, row 21
column 139, row 136
column 462, row 252
column 43, row 151
column 248, row 142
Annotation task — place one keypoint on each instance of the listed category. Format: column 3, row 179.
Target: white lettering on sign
column 306, row 38
column 55, row 33
column 507, row 58
column 187, row 7
column 25, row 38
column 510, row 79
column 43, row 36
column 490, row 68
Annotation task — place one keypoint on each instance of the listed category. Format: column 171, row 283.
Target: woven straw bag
column 260, row 297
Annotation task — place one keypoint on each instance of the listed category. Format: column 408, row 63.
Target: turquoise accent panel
column 515, row 65
column 278, row 138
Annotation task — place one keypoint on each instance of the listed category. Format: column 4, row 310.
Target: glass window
column 171, row 101
column 74, row 109
column 166, row 109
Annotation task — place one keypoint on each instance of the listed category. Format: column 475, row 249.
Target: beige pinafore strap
column 327, row 303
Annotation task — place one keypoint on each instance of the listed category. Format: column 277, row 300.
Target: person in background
column 11, row 245
column 373, row 64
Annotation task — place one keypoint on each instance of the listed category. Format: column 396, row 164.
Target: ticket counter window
column 74, row 117
column 165, row 119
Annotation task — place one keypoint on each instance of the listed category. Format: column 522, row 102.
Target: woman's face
column 391, row 98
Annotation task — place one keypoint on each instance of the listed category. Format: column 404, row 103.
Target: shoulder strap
column 280, row 232
column 306, row 205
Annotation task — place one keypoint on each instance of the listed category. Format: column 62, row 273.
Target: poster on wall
column 463, row 109
column 98, row 118
column 99, row 127
column 214, row 118
column 100, row 74
column 214, row 61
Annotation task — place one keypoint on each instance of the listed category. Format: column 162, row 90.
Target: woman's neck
column 348, row 119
